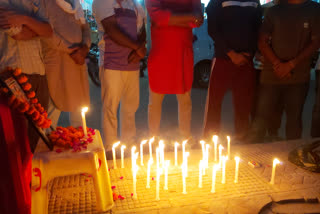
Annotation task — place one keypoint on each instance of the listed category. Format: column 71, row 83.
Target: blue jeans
column 315, row 125
column 292, row 96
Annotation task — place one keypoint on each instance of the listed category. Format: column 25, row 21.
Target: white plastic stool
column 47, row 165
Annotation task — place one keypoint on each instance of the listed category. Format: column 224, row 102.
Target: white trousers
column 119, row 87
column 184, row 113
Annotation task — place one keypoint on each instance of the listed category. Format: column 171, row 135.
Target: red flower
column 22, row 79
column 31, row 94
column 26, row 86
column 31, row 110
column 34, row 100
column 17, row 72
column 35, row 116
column 113, row 187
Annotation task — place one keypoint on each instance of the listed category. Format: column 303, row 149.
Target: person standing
column 64, row 57
column 315, row 124
column 22, row 24
column 122, row 48
column 289, row 36
column 234, row 27
column 170, row 62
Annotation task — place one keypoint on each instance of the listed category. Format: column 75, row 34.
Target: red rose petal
column 113, row 187
column 86, row 180
column 153, row 178
column 131, row 194
column 121, row 177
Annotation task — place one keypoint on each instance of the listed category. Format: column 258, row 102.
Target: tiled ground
column 75, row 194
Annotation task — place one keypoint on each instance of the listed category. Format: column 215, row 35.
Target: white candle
column 158, row 184
column 200, row 173
column 84, row 123
column 122, row 155
column 186, row 162
column 167, row 164
column 141, row 150
column 134, row 175
column 184, row 149
column 224, row 160
column 184, row 188
column 207, row 156
column 150, row 162
column 215, row 141
column 150, row 147
column 203, row 149
column 176, row 153
column 214, row 173
column 275, row 162
column 228, row 137
column 133, row 150
column 114, row 154
column 220, row 154
column 157, row 156
column 236, row 176
column 161, row 147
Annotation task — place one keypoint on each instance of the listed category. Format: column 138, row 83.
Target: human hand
column 238, row 59
column 25, row 34
column 133, row 57
column 141, row 51
column 198, row 19
column 10, row 18
column 79, row 55
column 283, row 70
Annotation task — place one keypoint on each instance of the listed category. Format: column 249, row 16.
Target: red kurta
column 170, row 62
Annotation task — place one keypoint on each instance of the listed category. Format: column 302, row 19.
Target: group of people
column 49, row 40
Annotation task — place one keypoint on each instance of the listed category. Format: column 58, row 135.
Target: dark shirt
column 292, row 27
column 234, row 25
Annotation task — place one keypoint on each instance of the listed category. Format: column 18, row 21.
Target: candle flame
column 133, row 149
column 116, row 144
column 221, row 147
column 215, row 139
column 276, row 161
column 228, row 137
column 184, row 142
column 144, row 142
column 237, row 158
column 123, row 147
column 84, row 109
column 151, row 140
column 176, row 144
column 202, row 142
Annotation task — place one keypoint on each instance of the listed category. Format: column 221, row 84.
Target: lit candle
column 157, row 157
column 184, row 149
column 114, row 154
column 184, row 188
column 122, row 155
column 150, row 162
column 207, row 156
column 133, row 150
column 220, row 154
column 203, row 149
column 150, row 147
column 275, row 162
column 167, row 164
column 161, row 147
column 176, row 153
column 224, row 159
column 141, row 150
column 84, row 123
column 186, row 162
column 134, row 175
column 200, row 173
column 215, row 141
column 158, row 184
column 228, row 137
column 237, row 159
column 214, row 173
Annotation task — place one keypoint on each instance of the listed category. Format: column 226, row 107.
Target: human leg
column 53, row 113
column 129, row 105
column 315, row 124
column 154, row 112
column 220, row 81
column 294, row 98
column 184, row 112
column 111, row 91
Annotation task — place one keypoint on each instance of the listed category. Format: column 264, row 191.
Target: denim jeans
column 315, row 124
column 292, row 96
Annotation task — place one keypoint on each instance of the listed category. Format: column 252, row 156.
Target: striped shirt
column 26, row 55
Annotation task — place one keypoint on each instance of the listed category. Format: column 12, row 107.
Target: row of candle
column 163, row 165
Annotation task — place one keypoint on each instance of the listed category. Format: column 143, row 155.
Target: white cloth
column 76, row 9
column 116, row 87
column 318, row 63
column 26, row 55
column 184, row 111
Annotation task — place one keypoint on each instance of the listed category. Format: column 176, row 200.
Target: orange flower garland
column 33, row 109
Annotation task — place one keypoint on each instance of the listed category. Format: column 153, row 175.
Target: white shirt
column 26, row 55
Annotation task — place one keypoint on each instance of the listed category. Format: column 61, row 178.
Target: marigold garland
column 71, row 138
column 34, row 108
